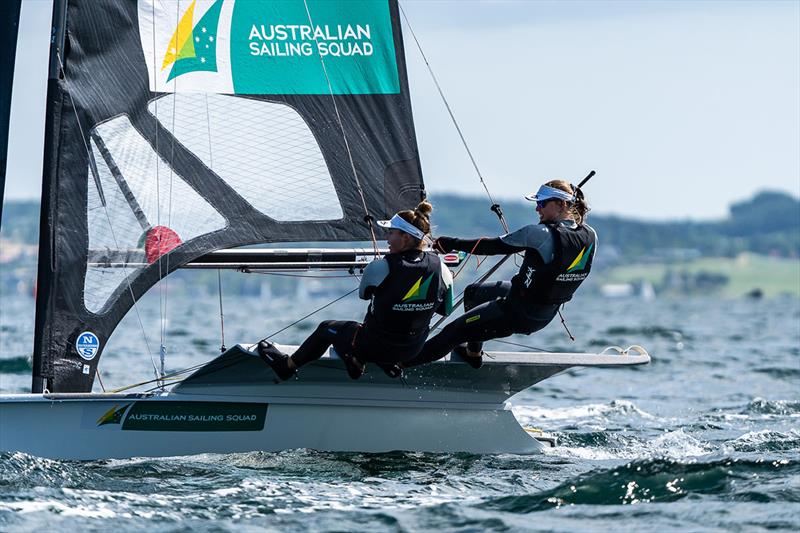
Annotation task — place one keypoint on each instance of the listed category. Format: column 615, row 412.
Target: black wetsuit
column 529, row 301
column 397, row 321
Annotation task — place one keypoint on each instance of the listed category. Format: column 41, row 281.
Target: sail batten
column 209, row 145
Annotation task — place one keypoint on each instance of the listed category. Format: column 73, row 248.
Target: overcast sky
column 681, row 107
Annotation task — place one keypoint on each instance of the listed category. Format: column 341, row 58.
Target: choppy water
column 705, row 438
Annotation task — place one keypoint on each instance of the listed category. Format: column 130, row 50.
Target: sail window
column 149, row 210
column 263, row 150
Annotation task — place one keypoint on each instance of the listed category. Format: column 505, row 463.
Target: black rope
column 564, row 323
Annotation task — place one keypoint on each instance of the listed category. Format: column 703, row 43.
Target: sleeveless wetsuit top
column 555, row 282
column 403, row 304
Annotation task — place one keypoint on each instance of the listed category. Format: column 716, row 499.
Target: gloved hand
column 444, row 244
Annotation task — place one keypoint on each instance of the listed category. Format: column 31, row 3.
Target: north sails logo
column 193, row 49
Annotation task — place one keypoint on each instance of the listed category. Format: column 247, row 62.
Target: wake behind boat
column 167, row 143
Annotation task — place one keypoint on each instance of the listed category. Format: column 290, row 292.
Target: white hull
column 68, row 429
column 233, row 405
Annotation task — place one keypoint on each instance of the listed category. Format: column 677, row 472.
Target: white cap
column 546, row 193
column 398, row 222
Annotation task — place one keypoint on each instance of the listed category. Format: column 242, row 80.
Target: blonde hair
column 578, row 208
column 419, row 217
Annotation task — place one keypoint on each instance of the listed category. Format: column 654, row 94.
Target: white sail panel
column 101, row 282
column 263, row 150
column 163, row 24
column 143, row 195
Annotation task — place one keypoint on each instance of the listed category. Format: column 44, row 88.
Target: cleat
column 474, row 361
column 277, row 360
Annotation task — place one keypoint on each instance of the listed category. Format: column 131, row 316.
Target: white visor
column 398, row 222
column 547, row 193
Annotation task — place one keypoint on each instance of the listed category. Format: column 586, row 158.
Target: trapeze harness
column 397, row 321
column 529, row 301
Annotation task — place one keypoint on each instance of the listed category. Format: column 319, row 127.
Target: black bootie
column 276, row 359
column 474, row 361
column 355, row 368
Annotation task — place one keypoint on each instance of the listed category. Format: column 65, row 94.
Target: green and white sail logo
column 193, row 49
column 282, row 47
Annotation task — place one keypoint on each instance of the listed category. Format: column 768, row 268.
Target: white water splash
column 593, row 410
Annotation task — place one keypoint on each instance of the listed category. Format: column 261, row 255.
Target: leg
column 313, row 347
column 328, row 332
column 487, row 321
column 479, row 293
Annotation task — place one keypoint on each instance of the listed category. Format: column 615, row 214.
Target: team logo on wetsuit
column 579, row 263
column 418, row 292
column 573, row 272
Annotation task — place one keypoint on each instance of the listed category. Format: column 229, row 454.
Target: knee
column 470, row 296
column 325, row 326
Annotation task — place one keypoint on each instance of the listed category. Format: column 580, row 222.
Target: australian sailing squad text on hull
column 152, row 417
column 301, row 40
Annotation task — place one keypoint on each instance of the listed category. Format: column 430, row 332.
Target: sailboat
column 178, row 130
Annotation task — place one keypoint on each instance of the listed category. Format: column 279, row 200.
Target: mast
column 47, row 223
column 9, row 26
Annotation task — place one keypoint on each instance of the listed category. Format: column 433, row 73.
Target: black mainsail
column 175, row 128
column 9, row 27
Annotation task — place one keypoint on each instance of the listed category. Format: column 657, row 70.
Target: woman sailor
column 558, row 257
column 405, row 287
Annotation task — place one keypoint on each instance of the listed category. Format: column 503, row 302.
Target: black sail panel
column 183, row 127
column 9, row 25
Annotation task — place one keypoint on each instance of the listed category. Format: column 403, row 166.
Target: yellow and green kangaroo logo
column 418, row 291
column 193, row 49
column 580, row 262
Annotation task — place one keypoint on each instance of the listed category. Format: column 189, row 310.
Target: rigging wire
column 368, row 217
column 173, row 375
column 108, row 216
column 345, row 295
column 289, row 275
column 495, row 206
column 162, row 351
column 163, row 279
column 221, row 314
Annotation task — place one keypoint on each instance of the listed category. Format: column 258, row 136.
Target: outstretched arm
column 482, row 246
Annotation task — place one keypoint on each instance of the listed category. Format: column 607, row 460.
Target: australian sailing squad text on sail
column 282, row 40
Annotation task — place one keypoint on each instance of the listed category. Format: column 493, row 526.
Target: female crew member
column 558, row 257
column 405, row 288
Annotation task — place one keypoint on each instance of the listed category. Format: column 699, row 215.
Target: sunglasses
column 541, row 203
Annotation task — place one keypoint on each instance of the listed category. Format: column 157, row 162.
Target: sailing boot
column 392, row 370
column 355, row 368
column 276, row 359
column 472, row 360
